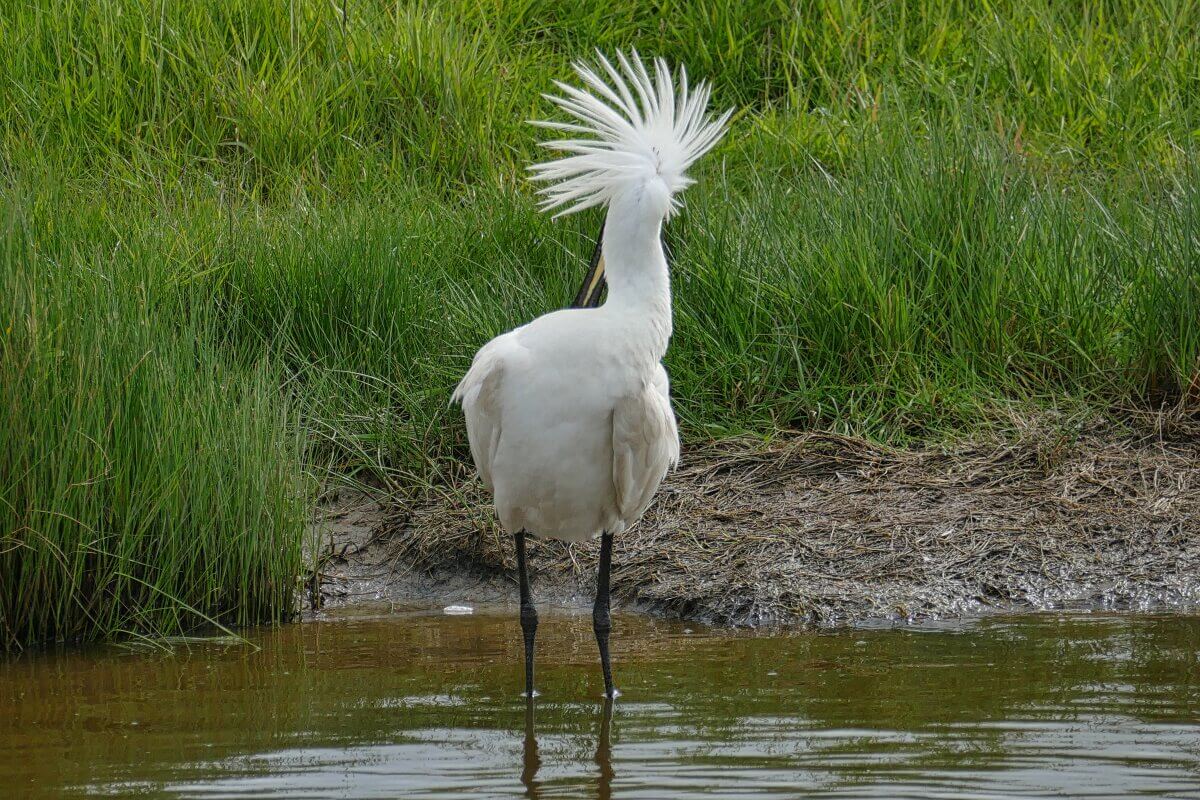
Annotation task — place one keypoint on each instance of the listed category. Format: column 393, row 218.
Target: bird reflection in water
column 532, row 761
column 604, row 753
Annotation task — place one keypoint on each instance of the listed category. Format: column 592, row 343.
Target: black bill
column 590, row 292
column 592, row 288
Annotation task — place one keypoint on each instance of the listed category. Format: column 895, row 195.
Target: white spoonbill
column 569, row 417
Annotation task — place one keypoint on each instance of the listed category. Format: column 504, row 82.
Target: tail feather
column 639, row 126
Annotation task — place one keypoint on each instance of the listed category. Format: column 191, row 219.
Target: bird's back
column 569, row 417
column 540, row 404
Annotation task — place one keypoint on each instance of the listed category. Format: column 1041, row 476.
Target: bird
column 569, row 417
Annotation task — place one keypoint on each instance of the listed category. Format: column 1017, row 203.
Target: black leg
column 529, row 617
column 601, row 620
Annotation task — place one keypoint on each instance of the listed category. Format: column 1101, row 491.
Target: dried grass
column 826, row 529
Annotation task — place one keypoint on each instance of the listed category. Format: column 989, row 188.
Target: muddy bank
column 826, row 530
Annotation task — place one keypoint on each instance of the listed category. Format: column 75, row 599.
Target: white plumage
column 569, row 417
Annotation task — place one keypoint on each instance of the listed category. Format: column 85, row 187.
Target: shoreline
column 826, row 531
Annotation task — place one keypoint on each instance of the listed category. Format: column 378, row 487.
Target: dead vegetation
column 826, row 530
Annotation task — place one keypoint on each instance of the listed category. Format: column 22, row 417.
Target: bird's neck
column 639, row 284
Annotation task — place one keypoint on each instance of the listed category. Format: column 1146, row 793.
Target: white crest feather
column 637, row 127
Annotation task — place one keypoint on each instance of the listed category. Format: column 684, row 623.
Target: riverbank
column 828, row 530
column 247, row 255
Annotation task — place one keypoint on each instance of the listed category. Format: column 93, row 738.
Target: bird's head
column 634, row 132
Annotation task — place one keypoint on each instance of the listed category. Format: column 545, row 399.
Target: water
column 426, row 705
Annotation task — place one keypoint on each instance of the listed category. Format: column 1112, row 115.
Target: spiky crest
column 638, row 127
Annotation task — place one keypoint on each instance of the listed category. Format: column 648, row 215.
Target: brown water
column 427, row 705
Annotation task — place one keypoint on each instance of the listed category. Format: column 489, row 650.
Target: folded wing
column 645, row 446
column 479, row 393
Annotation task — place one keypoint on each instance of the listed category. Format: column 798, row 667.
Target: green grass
column 150, row 483
column 272, row 95
column 249, row 243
